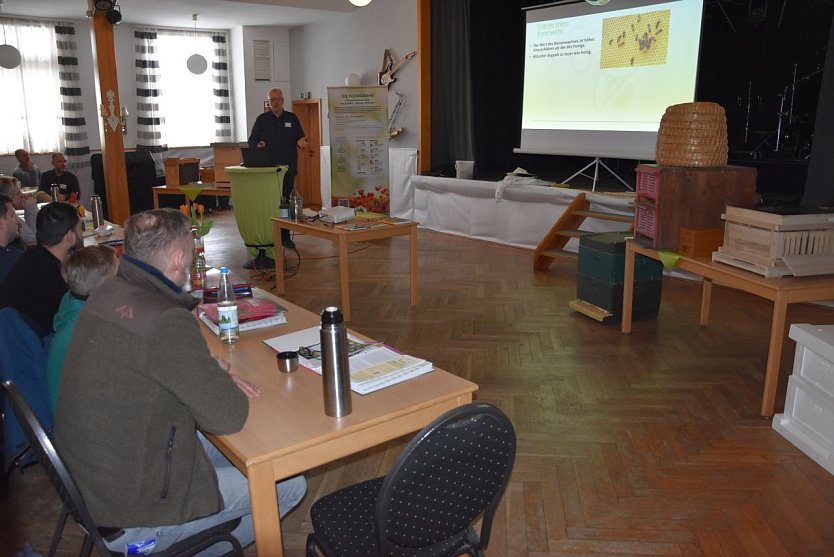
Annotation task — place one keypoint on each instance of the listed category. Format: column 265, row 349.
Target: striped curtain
column 74, row 141
column 220, row 80
column 150, row 133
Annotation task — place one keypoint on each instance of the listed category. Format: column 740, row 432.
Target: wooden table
column 175, row 190
column 343, row 238
column 287, row 431
column 781, row 291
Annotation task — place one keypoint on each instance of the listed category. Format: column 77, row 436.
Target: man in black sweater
column 34, row 285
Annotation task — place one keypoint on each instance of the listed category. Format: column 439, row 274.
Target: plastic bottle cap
column 224, row 269
column 331, row 315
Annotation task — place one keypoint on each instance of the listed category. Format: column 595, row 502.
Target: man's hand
column 249, row 389
column 303, row 144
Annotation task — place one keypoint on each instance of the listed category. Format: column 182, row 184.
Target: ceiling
column 212, row 14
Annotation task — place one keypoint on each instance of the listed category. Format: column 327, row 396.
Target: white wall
column 255, row 92
column 324, row 53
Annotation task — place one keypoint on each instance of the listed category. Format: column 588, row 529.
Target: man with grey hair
column 137, row 387
column 280, row 132
column 26, row 172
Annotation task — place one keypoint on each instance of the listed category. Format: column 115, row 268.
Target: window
column 30, row 95
column 176, row 107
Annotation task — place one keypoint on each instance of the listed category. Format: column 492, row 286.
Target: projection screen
column 597, row 79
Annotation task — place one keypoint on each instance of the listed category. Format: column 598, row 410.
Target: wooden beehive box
column 774, row 245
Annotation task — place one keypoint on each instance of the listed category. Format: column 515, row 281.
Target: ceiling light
column 9, row 55
column 196, row 63
column 104, row 5
column 360, row 3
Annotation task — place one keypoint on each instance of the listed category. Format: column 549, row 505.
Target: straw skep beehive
column 693, row 134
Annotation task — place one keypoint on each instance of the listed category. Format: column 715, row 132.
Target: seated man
column 26, row 172
column 138, row 382
column 34, row 285
column 30, row 211
column 83, row 271
column 10, row 250
column 59, row 176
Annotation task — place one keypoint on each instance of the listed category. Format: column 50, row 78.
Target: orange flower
column 185, row 210
column 200, row 209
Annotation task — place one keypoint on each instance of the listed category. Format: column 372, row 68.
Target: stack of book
column 252, row 313
column 373, row 366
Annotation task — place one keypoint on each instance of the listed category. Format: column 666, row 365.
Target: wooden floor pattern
column 642, row 444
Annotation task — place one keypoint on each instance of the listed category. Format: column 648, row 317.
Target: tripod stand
column 596, row 163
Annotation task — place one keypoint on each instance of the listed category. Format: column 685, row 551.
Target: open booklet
column 373, row 366
column 252, row 313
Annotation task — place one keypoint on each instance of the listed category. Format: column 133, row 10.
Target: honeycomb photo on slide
column 635, row 40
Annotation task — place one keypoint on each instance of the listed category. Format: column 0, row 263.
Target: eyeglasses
column 313, row 351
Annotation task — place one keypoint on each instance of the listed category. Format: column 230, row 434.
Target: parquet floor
column 645, row 444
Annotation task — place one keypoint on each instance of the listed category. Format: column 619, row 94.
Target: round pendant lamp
column 9, row 55
column 196, row 63
column 360, row 3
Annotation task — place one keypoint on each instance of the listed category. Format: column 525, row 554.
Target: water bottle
column 284, row 209
column 198, row 264
column 335, row 366
column 227, row 309
column 95, row 206
column 55, row 192
column 296, row 205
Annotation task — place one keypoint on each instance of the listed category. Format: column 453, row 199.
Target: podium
column 257, row 195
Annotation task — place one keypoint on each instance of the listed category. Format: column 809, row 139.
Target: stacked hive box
column 673, row 197
column 601, row 276
column 766, row 243
column 808, row 420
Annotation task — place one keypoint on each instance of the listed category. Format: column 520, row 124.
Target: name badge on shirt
column 287, row 124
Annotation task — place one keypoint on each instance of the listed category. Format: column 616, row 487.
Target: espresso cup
column 287, row 361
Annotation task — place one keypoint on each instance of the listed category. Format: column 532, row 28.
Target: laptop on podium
column 258, row 157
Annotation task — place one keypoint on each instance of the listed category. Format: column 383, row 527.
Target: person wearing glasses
column 280, row 131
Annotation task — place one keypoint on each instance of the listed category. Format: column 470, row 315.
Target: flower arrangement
column 195, row 210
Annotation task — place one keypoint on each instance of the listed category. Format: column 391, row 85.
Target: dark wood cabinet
column 669, row 198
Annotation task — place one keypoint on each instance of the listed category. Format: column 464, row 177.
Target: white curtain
column 30, row 96
column 74, row 141
column 150, row 134
column 179, row 108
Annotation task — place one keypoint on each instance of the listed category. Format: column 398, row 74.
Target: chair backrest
column 456, row 468
column 23, row 358
column 54, row 466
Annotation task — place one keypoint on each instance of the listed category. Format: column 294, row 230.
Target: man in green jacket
column 138, row 382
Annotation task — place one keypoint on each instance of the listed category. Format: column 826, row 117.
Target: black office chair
column 453, row 471
column 74, row 504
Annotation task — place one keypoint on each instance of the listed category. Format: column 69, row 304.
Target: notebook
column 258, row 157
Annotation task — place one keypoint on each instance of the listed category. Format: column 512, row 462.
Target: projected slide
column 607, row 69
column 650, row 42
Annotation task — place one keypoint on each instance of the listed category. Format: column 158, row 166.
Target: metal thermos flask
column 335, row 368
column 95, row 206
column 55, row 191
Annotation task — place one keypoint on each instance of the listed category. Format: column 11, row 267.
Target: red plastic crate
column 645, row 221
column 648, row 184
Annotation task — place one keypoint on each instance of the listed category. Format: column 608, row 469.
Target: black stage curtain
column 819, row 191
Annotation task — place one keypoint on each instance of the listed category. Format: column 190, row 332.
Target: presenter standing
column 280, row 131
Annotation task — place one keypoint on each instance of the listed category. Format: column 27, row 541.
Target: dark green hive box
column 603, row 256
